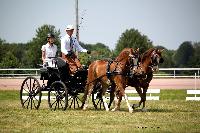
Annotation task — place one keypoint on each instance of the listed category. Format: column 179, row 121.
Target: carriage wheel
column 58, row 96
column 75, row 101
column 30, row 93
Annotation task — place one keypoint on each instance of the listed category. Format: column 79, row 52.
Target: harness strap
column 108, row 72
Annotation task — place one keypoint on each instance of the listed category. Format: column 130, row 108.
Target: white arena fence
column 151, row 94
column 163, row 72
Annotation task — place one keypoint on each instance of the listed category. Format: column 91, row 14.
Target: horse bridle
column 155, row 60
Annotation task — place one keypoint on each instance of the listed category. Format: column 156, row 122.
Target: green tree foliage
column 34, row 52
column 184, row 54
column 133, row 39
column 9, row 60
column 98, row 51
column 167, row 56
column 195, row 60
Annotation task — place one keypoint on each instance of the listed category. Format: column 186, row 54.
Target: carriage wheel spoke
column 28, row 102
column 27, row 85
column 77, row 101
column 98, row 102
column 26, row 90
column 58, row 104
column 61, row 103
column 53, row 103
column 71, row 102
column 30, row 85
column 33, row 86
column 55, row 106
column 36, row 99
column 34, row 104
column 31, row 103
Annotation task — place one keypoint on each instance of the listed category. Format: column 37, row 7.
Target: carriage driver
column 49, row 50
column 69, row 45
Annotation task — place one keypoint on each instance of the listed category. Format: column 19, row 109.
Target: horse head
column 156, row 58
column 150, row 59
column 128, row 57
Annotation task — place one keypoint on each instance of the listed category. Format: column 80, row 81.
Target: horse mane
column 146, row 54
column 124, row 53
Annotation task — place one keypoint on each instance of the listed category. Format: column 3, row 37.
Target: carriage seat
column 63, row 69
column 44, row 75
column 46, row 72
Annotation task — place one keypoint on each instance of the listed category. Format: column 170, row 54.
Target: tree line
column 28, row 55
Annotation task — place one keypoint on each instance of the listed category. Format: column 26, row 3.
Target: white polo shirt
column 65, row 45
column 50, row 51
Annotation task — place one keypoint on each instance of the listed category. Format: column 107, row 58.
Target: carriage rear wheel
column 30, row 93
column 58, row 96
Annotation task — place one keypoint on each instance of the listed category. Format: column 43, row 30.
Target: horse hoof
column 134, row 106
column 144, row 110
column 113, row 110
column 85, row 107
column 130, row 110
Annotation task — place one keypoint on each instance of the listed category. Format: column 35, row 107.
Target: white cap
column 69, row 27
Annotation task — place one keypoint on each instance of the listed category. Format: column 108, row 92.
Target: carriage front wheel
column 30, row 93
column 58, row 96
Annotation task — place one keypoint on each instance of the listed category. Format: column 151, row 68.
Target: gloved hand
column 88, row 52
column 70, row 53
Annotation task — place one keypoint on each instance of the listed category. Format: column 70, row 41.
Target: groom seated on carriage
column 69, row 45
column 49, row 51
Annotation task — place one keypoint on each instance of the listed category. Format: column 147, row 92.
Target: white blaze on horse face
column 135, row 61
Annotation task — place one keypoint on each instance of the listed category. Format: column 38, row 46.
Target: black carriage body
column 75, row 83
column 63, row 89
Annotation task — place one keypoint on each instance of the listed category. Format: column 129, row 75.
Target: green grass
column 171, row 114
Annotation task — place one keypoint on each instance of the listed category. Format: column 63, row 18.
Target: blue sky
column 165, row 22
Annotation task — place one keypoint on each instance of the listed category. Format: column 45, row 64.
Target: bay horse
column 144, row 73
column 97, row 72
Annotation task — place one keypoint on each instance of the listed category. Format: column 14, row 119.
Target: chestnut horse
column 149, row 64
column 97, row 72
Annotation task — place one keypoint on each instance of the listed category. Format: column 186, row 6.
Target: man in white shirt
column 69, row 45
column 49, row 50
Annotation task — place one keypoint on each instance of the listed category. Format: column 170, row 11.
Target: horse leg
column 104, row 87
column 112, row 95
column 144, row 99
column 129, row 107
column 139, row 91
column 116, row 99
column 86, row 96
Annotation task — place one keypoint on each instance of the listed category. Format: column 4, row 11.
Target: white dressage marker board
column 193, row 92
column 148, row 97
column 149, row 91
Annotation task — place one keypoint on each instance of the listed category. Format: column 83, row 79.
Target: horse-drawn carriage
column 96, row 80
column 62, row 89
